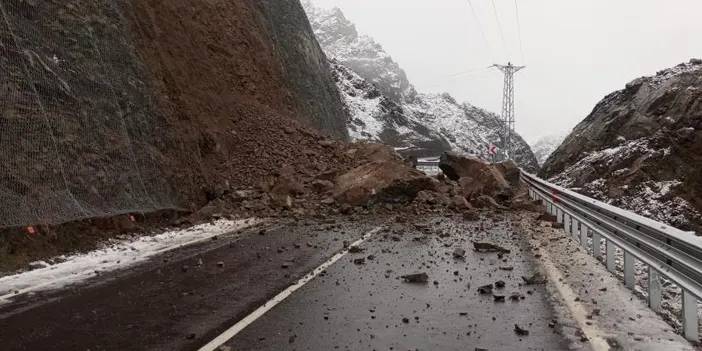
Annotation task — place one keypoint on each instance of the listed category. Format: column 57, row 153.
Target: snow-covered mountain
column 640, row 148
column 377, row 118
column 342, row 42
column 545, row 146
column 385, row 107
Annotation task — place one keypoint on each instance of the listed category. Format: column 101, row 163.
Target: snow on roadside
column 598, row 301
column 114, row 255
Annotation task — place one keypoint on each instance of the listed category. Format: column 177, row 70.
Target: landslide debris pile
column 640, row 147
column 373, row 178
column 386, row 108
column 123, row 107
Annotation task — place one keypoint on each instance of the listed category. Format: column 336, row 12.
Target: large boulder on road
column 510, row 171
column 381, row 181
column 478, row 177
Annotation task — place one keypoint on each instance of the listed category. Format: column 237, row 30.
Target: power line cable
column 466, row 72
column 480, row 29
column 499, row 26
column 519, row 31
column 449, row 78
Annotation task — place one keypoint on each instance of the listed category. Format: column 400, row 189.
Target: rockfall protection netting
column 77, row 135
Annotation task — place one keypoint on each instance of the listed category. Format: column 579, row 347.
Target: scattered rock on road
column 535, row 279
column 489, row 247
column 485, row 289
column 355, row 249
column 520, row 331
column 459, row 253
column 416, row 278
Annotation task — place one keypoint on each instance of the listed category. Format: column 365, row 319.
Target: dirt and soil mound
column 131, row 107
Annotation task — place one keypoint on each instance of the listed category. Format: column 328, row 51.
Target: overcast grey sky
column 576, row 51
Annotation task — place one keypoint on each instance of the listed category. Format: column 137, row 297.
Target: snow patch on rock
column 655, row 199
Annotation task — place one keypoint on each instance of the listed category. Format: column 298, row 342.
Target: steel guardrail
column 667, row 251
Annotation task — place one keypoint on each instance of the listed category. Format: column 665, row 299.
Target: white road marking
column 242, row 324
column 596, row 336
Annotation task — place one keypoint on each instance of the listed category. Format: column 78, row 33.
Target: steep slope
column 377, row 118
column 341, row 41
column 137, row 106
column 393, row 112
column 468, row 129
column 544, row 147
column 640, row 148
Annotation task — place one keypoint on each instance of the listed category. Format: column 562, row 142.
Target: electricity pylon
column 508, row 106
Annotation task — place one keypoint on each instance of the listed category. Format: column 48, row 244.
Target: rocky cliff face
column 640, row 148
column 134, row 106
column 386, row 108
column 341, row 41
column 377, row 118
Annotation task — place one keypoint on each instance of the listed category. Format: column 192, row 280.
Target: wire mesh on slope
column 78, row 138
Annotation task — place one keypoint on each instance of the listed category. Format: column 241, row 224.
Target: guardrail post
column 596, row 245
column 690, row 319
column 583, row 235
column 611, row 249
column 629, row 270
column 655, row 289
column 566, row 224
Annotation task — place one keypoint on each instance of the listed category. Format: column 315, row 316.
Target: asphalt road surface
column 186, row 298
column 367, row 306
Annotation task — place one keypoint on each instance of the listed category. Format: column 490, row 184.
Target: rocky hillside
column 375, row 117
column 341, row 41
column 122, row 107
column 385, row 107
column 640, row 148
column 544, row 147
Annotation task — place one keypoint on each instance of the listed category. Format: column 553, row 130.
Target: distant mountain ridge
column 545, row 146
column 385, row 106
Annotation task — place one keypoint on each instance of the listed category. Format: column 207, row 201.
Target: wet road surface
column 361, row 303
column 181, row 300
column 186, row 298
